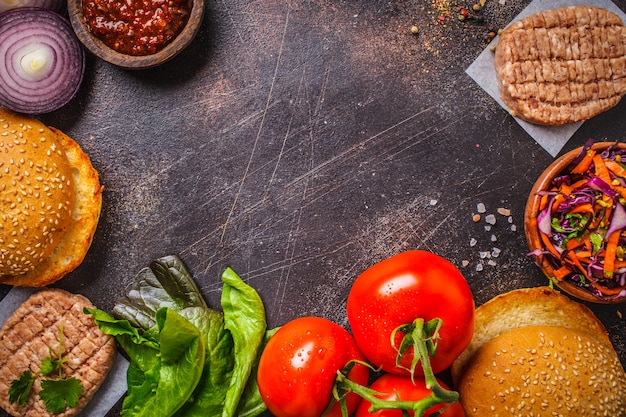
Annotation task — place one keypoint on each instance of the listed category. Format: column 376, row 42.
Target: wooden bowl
column 532, row 231
column 98, row 48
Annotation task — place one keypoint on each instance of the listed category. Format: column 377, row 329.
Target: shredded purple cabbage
column 588, row 215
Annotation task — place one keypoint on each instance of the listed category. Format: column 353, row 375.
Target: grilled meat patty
column 563, row 65
column 34, row 328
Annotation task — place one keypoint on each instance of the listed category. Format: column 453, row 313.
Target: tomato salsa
column 136, row 27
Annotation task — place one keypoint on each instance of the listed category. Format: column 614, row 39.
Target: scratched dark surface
column 299, row 142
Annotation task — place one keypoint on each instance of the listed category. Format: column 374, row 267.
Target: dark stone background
column 301, row 141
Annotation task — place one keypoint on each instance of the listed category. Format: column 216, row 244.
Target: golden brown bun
column 562, row 66
column 37, row 193
column 70, row 249
column 527, row 307
column 34, row 328
column 544, row 371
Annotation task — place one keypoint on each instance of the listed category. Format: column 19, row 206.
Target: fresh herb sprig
column 57, row 394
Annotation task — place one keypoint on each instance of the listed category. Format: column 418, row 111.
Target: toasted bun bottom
column 544, row 371
column 73, row 246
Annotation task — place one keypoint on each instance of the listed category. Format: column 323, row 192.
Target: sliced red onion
column 55, row 5
column 544, row 221
column 42, row 63
column 618, row 220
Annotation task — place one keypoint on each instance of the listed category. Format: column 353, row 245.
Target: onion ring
column 56, row 5
column 42, row 63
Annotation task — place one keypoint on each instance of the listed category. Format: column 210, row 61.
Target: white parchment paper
column 111, row 389
column 482, row 71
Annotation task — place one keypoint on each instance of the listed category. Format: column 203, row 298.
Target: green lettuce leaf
column 244, row 316
column 251, row 403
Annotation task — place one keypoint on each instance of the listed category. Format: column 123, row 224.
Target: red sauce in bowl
column 136, row 27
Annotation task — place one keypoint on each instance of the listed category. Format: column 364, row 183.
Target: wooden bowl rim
column 532, row 230
column 102, row 51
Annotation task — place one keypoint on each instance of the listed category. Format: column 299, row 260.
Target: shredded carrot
column 549, row 245
column 573, row 256
column 615, row 168
column 606, row 218
column 560, row 198
column 602, row 171
column 583, row 255
column 620, row 190
column 562, row 272
column 582, row 208
column 543, row 202
column 578, row 184
column 611, row 253
column 583, row 242
column 584, row 164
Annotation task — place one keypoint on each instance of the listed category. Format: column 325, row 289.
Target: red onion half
column 42, row 63
column 56, row 5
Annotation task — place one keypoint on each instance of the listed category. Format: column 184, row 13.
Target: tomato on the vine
column 299, row 365
column 396, row 291
column 402, row 388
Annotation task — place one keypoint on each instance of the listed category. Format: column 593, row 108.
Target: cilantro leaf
column 60, row 394
column 20, row 388
column 49, row 365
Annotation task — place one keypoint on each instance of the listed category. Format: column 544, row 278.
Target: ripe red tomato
column 298, row 367
column 397, row 387
column 398, row 290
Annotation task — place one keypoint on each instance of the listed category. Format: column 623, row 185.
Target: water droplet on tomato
column 320, row 353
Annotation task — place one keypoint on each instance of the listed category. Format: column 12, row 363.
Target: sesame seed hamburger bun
column 536, row 352
column 544, row 370
column 50, row 202
column 527, row 307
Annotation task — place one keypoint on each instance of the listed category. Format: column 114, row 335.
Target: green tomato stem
column 421, row 339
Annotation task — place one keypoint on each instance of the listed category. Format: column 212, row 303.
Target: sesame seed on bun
column 50, row 201
column 536, row 352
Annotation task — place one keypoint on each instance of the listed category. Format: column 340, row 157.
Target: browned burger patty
column 562, row 66
column 34, row 328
